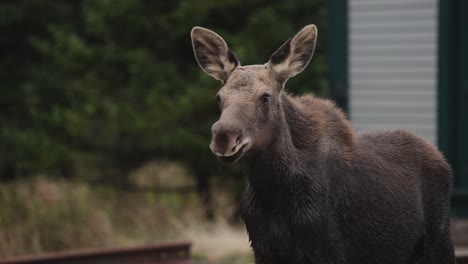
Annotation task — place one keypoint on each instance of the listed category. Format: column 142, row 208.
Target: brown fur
column 316, row 191
column 324, row 119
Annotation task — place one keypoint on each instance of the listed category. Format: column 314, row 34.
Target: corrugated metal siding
column 393, row 47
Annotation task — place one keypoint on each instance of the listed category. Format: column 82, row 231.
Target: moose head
column 250, row 98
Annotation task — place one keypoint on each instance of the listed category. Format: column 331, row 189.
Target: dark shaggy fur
column 334, row 197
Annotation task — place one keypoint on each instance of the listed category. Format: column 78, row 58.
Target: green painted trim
column 462, row 153
column 458, row 207
column 460, row 193
column 453, row 96
column 338, row 52
column 447, row 82
column 459, row 202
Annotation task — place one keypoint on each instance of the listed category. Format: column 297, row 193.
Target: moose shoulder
column 316, row 191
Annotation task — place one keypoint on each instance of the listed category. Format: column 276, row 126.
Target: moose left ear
column 213, row 54
column 294, row 55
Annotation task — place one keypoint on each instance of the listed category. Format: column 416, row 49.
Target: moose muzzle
column 228, row 142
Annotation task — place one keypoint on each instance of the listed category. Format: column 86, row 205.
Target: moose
column 316, row 191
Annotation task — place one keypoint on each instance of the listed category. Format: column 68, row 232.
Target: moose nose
column 226, row 139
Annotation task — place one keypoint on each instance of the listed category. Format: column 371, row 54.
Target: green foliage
column 118, row 78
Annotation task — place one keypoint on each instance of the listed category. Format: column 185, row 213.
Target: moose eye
column 218, row 99
column 266, row 98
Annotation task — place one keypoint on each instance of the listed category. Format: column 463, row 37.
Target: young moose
column 316, row 191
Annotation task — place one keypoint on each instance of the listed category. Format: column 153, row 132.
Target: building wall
column 393, row 65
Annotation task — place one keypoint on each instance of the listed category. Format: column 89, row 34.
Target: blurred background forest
column 105, row 119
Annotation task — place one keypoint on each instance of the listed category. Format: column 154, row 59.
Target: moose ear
column 294, row 55
column 213, row 54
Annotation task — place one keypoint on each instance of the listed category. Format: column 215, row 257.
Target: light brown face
column 249, row 104
column 250, row 100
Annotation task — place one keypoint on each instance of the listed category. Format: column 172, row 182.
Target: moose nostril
column 238, row 140
column 233, row 149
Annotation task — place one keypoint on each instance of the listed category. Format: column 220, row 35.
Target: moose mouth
column 236, row 156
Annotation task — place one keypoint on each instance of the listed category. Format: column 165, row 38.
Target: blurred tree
column 116, row 81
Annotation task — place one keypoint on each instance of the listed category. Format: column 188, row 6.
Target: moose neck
column 312, row 130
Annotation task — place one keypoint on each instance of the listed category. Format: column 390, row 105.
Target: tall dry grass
column 41, row 215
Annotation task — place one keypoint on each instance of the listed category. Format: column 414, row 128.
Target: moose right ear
column 212, row 54
column 294, row 55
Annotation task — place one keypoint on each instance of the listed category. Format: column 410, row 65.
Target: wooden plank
column 170, row 253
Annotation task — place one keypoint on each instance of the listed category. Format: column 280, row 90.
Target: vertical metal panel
column 393, row 65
